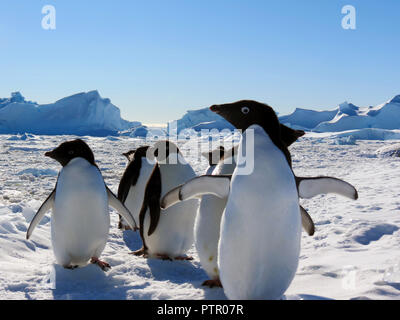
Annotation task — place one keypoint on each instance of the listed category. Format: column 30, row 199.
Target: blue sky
column 157, row 58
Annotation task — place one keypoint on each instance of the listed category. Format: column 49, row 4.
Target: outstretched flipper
column 121, row 209
column 194, row 189
column 312, row 186
column 46, row 206
column 307, row 222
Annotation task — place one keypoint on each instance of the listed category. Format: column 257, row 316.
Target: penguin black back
column 69, row 150
column 132, row 172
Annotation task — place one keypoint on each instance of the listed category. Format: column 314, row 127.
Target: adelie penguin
column 133, row 183
column 259, row 242
column 79, row 202
column 153, row 171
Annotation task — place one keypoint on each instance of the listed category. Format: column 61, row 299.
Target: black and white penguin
column 133, row 183
column 260, row 229
column 166, row 234
column 80, row 222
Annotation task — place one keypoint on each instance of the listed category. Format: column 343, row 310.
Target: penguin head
column 163, row 149
column 130, row 154
column 136, row 153
column 242, row 114
column 69, row 150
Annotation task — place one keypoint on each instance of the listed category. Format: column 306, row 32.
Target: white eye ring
column 245, row 110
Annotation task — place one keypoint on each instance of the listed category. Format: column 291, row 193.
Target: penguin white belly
column 135, row 196
column 174, row 233
column 207, row 224
column 261, row 227
column 80, row 221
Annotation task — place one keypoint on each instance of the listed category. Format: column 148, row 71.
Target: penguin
column 259, row 244
column 166, row 234
column 211, row 208
column 133, row 183
column 79, row 202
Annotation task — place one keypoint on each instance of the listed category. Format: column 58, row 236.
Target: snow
column 79, row 114
column 353, row 254
column 392, row 150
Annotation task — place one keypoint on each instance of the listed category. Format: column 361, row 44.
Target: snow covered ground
column 354, row 254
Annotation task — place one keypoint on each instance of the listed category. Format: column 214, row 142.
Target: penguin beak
column 214, row 108
column 49, row 154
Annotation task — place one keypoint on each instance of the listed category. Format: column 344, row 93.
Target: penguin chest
column 80, row 221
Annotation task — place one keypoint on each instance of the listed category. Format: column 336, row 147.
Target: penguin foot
column 164, row 257
column 141, row 252
column 103, row 265
column 125, row 227
column 71, row 267
column 184, row 258
column 212, row 283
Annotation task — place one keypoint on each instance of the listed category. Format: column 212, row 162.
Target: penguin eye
column 245, row 110
column 71, row 152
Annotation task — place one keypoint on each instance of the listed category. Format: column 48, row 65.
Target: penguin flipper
column 307, row 222
column 121, row 209
column 217, row 185
column 46, row 206
column 152, row 198
column 128, row 179
column 311, row 186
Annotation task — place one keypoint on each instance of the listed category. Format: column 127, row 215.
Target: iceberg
column 346, row 117
column 80, row 114
column 201, row 119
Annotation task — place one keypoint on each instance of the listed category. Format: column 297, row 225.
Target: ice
column 79, row 114
column 201, row 119
column 307, row 119
column 392, row 150
column 350, row 140
column 349, row 117
column 372, row 123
